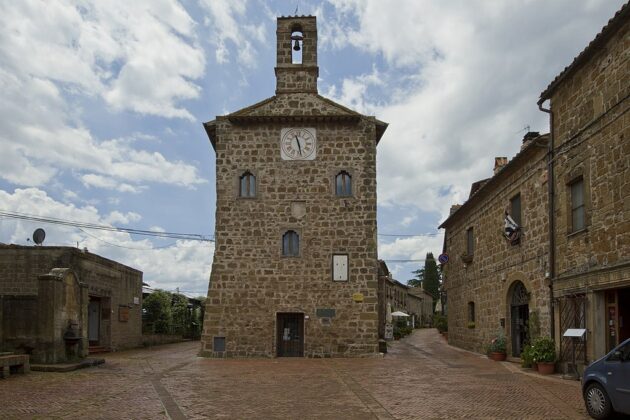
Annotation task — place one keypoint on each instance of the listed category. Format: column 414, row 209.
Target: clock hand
column 298, row 143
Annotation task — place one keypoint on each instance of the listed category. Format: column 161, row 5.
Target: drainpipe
column 550, row 191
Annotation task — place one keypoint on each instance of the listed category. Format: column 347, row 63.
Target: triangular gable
column 294, row 104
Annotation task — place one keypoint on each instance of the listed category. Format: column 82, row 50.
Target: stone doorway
column 94, row 321
column 519, row 317
column 617, row 317
column 290, row 334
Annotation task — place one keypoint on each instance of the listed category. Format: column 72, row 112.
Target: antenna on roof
column 525, row 129
column 39, row 235
column 297, row 6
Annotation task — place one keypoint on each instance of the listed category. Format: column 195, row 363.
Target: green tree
column 157, row 309
column 428, row 277
column 431, row 280
column 181, row 314
column 418, row 278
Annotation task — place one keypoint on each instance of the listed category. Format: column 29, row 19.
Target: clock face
column 298, row 144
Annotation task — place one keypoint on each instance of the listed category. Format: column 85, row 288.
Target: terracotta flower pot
column 535, row 366
column 546, row 368
column 497, row 357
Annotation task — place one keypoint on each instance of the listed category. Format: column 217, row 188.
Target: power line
column 85, row 225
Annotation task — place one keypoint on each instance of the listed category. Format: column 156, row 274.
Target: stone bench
column 21, row 361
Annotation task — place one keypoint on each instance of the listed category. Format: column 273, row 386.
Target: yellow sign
column 357, row 297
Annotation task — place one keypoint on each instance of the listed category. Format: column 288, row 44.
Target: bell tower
column 296, row 57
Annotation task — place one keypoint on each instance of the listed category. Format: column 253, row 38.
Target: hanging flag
column 512, row 229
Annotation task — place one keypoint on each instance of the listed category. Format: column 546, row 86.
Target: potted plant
column 527, row 356
column 497, row 346
column 544, row 350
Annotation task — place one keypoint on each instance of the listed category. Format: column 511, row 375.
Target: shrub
column 498, row 344
column 440, row 322
column 544, row 350
column 527, row 356
column 157, row 308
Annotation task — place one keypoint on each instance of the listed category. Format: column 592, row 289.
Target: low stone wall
column 157, row 339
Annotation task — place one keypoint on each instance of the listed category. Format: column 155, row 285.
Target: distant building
column 590, row 132
column 57, row 302
column 414, row 301
column 492, row 281
column 295, row 264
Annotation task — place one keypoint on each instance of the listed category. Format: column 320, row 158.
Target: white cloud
column 412, row 248
column 227, row 19
column 471, row 72
column 184, row 264
column 51, row 53
column 140, row 56
column 115, row 217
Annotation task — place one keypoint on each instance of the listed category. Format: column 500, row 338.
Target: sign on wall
column 340, row 267
column 123, row 313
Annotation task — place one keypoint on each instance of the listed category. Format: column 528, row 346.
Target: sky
column 102, row 107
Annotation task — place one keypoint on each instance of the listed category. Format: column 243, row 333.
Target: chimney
column 499, row 163
column 527, row 138
column 454, row 208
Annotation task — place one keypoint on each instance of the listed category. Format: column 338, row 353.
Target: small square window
column 218, row 344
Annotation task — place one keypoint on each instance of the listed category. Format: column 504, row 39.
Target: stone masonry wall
column 592, row 140
column 251, row 281
column 20, row 267
column 489, row 278
column 591, row 129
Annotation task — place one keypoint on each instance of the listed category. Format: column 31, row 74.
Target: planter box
column 546, row 368
column 497, row 357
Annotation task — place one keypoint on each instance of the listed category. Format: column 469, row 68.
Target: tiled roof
column 602, row 37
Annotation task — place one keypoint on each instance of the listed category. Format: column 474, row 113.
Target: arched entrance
column 519, row 315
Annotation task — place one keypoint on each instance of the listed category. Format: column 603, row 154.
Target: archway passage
column 519, row 315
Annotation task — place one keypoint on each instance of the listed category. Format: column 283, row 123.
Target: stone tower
column 295, row 264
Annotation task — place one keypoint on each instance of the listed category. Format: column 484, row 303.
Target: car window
column 625, row 354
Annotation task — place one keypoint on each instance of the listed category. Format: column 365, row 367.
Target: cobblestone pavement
column 420, row 378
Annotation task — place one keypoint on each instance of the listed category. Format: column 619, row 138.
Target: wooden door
column 290, row 334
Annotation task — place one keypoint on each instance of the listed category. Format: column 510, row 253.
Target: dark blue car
column 606, row 383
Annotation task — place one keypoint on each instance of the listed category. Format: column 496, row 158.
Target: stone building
column 589, row 119
column 295, row 263
column 492, row 282
column 58, row 302
column 413, row 301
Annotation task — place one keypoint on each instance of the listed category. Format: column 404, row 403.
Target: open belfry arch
column 295, row 265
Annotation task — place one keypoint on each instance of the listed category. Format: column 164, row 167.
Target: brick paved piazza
column 420, row 378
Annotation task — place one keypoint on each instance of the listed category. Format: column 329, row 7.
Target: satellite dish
column 39, row 235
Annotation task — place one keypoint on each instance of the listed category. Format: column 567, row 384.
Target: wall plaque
column 357, row 297
column 325, row 312
column 123, row 313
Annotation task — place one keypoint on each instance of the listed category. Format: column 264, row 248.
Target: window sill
column 576, row 233
column 467, row 259
column 247, row 198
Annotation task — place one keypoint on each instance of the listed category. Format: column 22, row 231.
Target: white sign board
column 389, row 332
column 340, row 267
column 574, row 332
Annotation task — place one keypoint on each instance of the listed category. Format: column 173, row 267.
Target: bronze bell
column 296, row 45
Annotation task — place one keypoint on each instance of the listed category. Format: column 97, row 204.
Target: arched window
column 343, row 184
column 291, row 243
column 247, row 184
